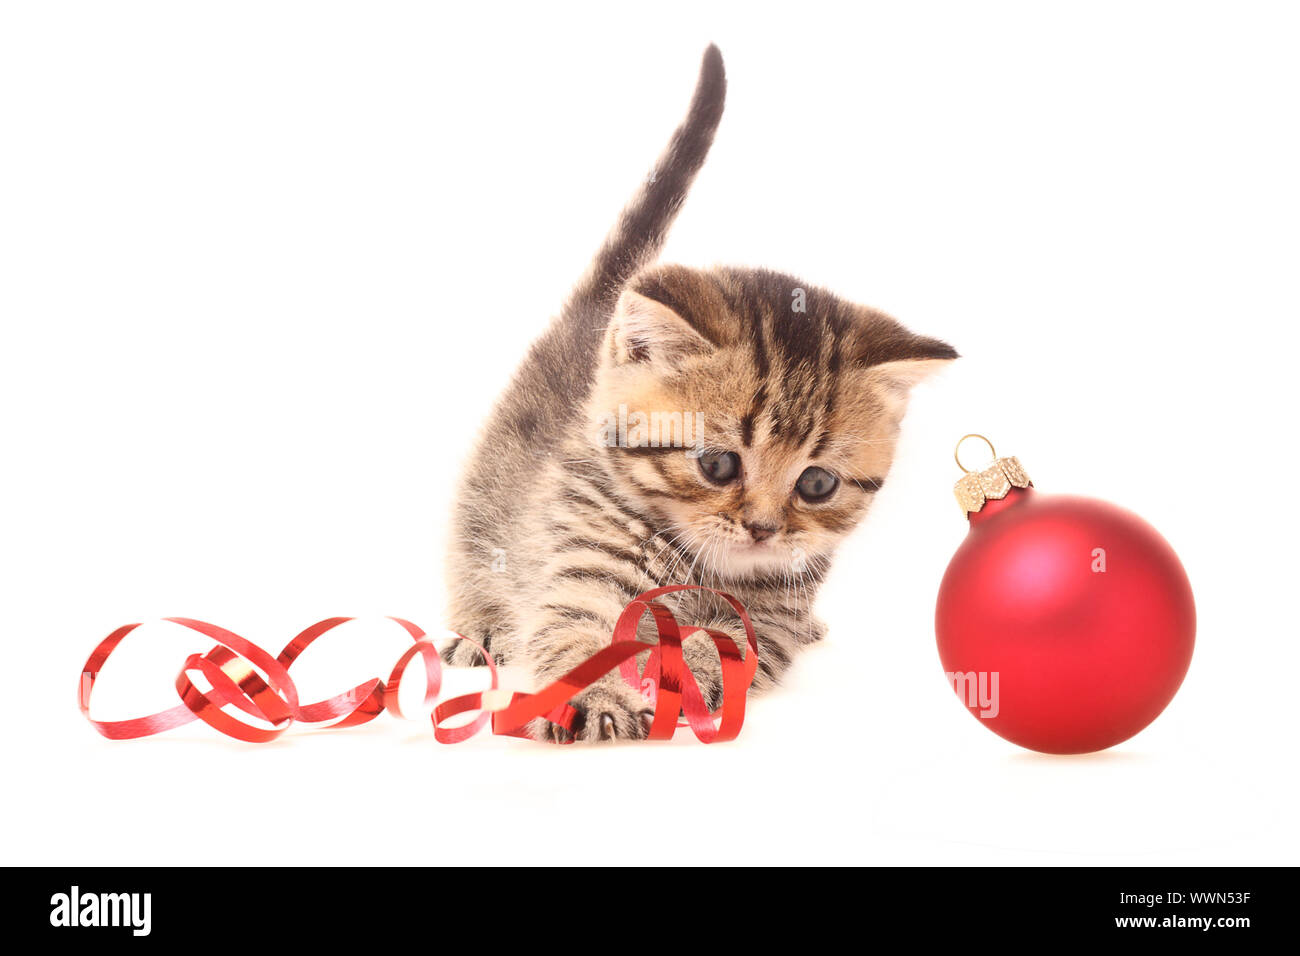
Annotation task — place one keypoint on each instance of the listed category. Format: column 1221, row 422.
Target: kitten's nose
column 760, row 532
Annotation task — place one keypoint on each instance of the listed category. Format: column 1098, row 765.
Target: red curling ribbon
column 243, row 675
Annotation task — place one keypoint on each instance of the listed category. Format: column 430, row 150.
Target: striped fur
column 556, row 528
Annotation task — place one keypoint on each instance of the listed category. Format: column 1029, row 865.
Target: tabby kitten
column 790, row 400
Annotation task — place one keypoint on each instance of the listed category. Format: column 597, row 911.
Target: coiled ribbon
column 241, row 674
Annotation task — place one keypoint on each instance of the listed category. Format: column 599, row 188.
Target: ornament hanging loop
column 992, row 482
column 956, row 452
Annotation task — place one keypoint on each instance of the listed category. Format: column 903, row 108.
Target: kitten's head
column 788, row 399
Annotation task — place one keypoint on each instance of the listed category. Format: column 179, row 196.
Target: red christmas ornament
column 1065, row 624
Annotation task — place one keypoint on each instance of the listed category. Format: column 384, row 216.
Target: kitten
column 564, row 514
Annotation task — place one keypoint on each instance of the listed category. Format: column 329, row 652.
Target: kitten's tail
column 639, row 235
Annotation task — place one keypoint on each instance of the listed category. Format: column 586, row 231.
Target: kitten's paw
column 818, row 630
column 711, row 691
column 465, row 654
column 706, row 668
column 604, row 712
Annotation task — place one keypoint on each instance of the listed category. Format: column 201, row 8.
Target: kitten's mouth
column 740, row 557
column 752, row 555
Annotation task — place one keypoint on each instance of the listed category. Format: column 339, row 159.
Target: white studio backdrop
column 265, row 266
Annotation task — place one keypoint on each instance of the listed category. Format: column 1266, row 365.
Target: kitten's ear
column 904, row 373
column 643, row 330
column 898, row 359
column 893, row 380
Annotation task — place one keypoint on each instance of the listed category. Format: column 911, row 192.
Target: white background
column 264, row 267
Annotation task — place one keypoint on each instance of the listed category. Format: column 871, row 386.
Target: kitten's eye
column 816, row 484
column 720, row 467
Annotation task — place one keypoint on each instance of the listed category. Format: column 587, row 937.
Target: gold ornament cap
column 991, row 483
